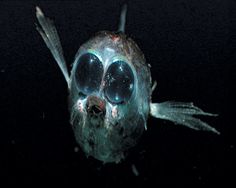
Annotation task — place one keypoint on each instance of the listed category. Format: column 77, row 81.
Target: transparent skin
column 108, row 136
column 110, row 92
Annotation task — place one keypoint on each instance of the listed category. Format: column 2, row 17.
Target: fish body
column 110, row 89
column 118, row 123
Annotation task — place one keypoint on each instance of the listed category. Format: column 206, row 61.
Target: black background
column 191, row 47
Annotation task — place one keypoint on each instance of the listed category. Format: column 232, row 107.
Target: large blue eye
column 119, row 82
column 89, row 73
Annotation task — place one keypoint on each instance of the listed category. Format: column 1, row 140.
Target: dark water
column 191, row 47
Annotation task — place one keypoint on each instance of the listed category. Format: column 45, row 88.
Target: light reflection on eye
column 88, row 74
column 119, row 82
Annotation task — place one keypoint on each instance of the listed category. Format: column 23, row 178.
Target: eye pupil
column 119, row 82
column 89, row 73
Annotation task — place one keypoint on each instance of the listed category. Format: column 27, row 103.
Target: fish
column 110, row 92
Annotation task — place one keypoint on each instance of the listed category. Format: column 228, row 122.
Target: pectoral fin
column 50, row 36
column 181, row 113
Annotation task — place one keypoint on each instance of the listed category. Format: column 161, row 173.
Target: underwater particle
column 134, row 170
column 43, row 115
column 13, row 142
column 194, row 167
column 76, row 149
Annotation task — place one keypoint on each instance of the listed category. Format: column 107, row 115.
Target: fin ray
column 122, row 19
column 50, row 36
column 181, row 113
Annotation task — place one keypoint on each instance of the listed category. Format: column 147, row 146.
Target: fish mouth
column 96, row 110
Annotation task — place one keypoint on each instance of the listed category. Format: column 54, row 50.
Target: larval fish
column 110, row 91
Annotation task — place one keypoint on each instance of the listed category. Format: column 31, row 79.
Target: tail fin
column 181, row 113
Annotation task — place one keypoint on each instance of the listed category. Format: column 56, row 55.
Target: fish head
column 110, row 91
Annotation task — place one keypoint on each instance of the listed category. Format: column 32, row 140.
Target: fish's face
column 110, row 92
column 110, row 88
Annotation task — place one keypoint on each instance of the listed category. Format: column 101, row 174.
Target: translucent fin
column 181, row 113
column 51, row 38
column 122, row 19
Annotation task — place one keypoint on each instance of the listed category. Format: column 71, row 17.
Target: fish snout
column 95, row 106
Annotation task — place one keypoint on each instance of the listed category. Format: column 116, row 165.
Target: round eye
column 88, row 74
column 119, row 82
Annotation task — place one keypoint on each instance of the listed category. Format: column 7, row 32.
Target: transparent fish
column 110, row 91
